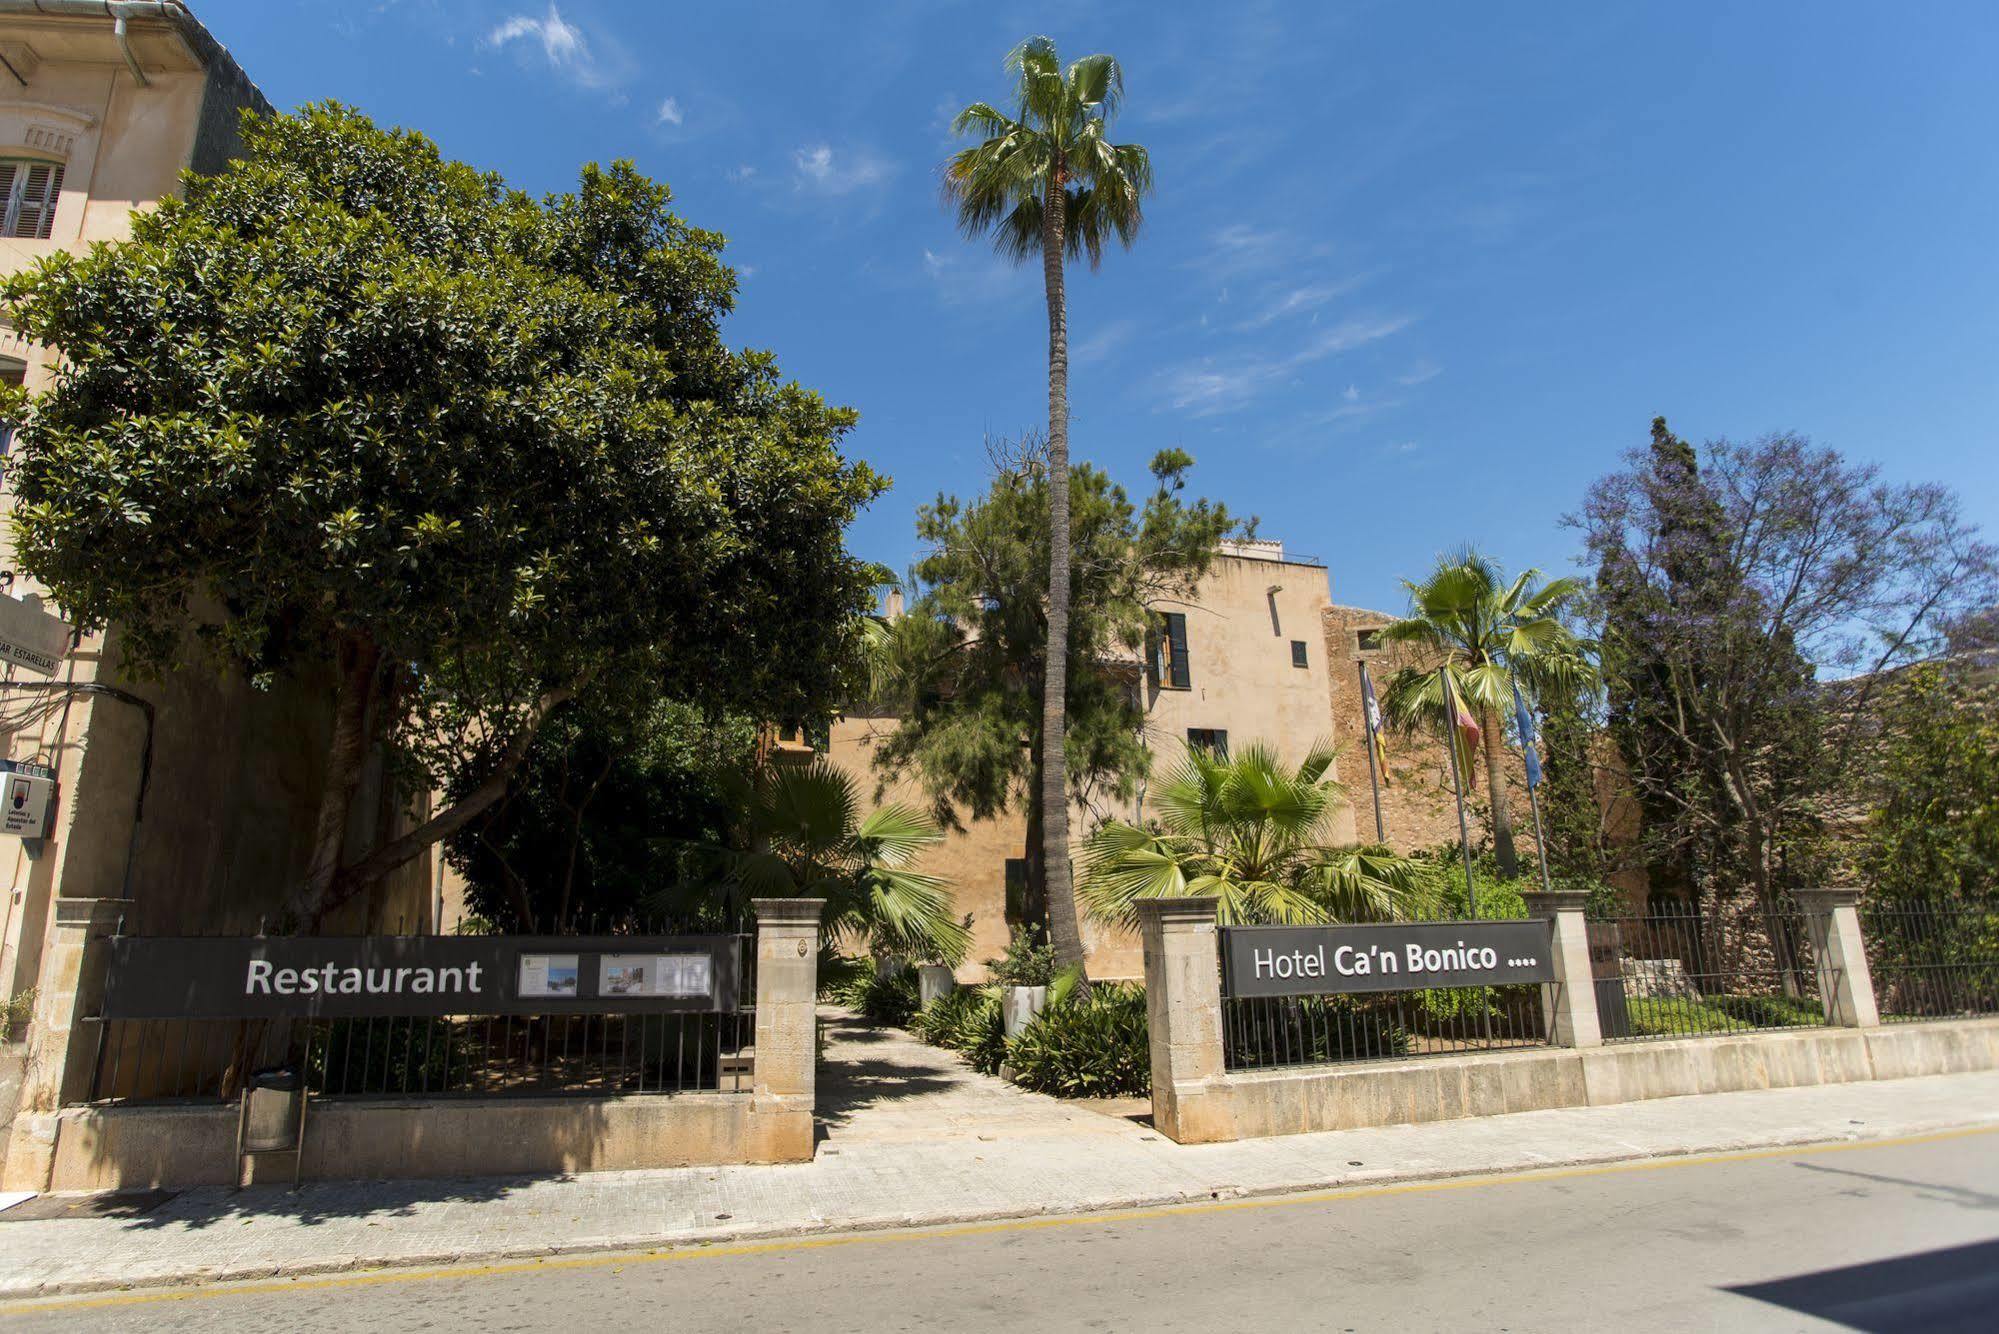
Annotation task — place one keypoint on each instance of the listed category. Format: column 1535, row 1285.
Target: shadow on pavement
column 1933, row 1291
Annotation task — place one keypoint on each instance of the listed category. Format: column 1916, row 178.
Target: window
column 1214, row 740
column 31, row 190
column 11, row 372
column 1169, row 654
column 1017, row 907
column 1298, row 658
column 1367, row 641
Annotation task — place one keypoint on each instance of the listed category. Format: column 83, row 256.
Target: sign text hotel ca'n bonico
column 1326, row 960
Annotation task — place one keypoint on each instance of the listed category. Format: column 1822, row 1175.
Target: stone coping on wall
column 138, row 1146
column 1303, row 1099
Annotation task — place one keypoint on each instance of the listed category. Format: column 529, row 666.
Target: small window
column 1298, row 658
column 31, row 190
column 1367, row 641
column 1169, row 654
column 1016, row 907
column 1214, row 740
column 12, row 372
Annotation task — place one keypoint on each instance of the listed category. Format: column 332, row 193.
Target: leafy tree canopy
column 351, row 402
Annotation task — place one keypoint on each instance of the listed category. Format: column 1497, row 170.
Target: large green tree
column 964, row 671
column 1466, row 618
column 1045, row 179
column 351, row 403
column 1930, row 783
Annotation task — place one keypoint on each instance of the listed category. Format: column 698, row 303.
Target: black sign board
column 276, row 977
column 1403, row 956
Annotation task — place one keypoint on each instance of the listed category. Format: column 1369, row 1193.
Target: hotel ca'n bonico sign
column 276, row 977
column 1327, row 960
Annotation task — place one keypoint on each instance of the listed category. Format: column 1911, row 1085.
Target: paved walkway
column 982, row 1150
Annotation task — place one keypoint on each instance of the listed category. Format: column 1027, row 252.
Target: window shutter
column 1177, row 674
column 36, row 214
column 8, row 176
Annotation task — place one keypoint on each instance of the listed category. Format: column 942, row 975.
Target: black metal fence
column 1932, row 958
column 179, row 1060
column 1261, row 1032
column 1678, row 972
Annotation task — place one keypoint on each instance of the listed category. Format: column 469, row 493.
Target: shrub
column 1026, row 964
column 968, row 1021
column 844, row 980
column 1091, row 1048
column 890, row 997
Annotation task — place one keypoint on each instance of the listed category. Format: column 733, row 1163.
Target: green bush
column 1026, row 963
column 890, row 997
column 968, row 1021
column 1090, row 1048
column 844, row 980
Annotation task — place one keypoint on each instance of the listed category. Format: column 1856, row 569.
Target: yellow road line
column 945, row 1232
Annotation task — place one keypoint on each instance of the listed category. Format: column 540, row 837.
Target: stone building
column 184, row 803
column 1245, row 661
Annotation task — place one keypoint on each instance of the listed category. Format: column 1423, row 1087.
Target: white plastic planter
column 1021, row 1005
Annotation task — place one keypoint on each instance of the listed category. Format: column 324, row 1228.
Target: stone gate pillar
column 787, row 1051
column 1570, row 1000
column 1846, row 984
column 1183, row 1011
column 62, row 1043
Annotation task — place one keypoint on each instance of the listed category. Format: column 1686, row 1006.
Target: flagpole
column 1373, row 740
column 1457, row 786
column 1533, row 793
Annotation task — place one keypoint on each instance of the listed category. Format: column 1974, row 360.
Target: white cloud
column 561, row 44
column 1417, row 374
column 740, row 174
column 837, row 172
column 669, row 112
column 1206, row 388
column 973, row 278
column 1352, row 394
column 1298, row 300
column 1100, row 344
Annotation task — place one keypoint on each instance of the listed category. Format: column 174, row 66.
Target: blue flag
column 1524, row 719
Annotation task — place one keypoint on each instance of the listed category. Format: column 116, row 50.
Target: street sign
column 30, row 637
column 25, row 799
column 1399, row 956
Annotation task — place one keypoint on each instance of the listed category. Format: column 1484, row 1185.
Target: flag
column 1460, row 716
column 1372, row 710
column 1524, row 718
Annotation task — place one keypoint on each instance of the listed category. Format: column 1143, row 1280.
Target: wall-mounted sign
column 276, row 977
column 26, row 799
column 30, row 637
column 1402, row 956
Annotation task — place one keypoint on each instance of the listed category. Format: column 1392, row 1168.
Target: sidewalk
column 880, row 1167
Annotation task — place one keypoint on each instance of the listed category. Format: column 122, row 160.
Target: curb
column 390, row 1266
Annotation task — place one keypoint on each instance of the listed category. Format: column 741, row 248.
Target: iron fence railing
column 1262, row 1032
column 1932, row 958
column 579, row 1054
column 1678, row 971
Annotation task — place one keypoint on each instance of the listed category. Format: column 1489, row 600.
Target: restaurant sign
column 1400, row 956
column 277, row 977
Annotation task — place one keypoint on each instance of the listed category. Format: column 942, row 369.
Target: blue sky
column 1414, row 273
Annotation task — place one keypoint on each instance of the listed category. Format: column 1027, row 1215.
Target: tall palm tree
column 1465, row 619
column 1255, row 834
column 1046, row 179
column 799, row 832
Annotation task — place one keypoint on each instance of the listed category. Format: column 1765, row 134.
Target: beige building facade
column 187, row 800
column 1244, row 660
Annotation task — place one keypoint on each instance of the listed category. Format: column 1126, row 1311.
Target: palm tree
column 1046, row 179
column 1465, row 619
column 1254, row 834
column 799, row 833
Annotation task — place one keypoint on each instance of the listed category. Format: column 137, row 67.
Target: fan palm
column 1045, row 179
column 1467, row 620
column 1253, row 833
column 800, row 833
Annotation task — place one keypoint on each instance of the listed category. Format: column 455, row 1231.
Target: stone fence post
column 62, row 1042
column 1846, row 985
column 787, row 1054
column 1570, row 1000
column 1183, row 1011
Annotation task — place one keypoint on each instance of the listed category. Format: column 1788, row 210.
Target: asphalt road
column 1894, row 1236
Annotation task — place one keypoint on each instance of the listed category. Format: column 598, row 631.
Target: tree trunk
column 1065, row 930
column 1495, row 786
column 1034, row 894
column 359, row 660
column 449, row 821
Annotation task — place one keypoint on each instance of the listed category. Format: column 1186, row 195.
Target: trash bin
column 271, row 1123
column 272, row 1118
